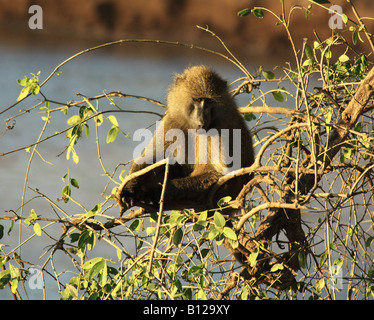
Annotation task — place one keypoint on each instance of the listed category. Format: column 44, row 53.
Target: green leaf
column 328, row 54
column 11, row 227
column 234, row 243
column 30, row 85
column 152, row 286
column 302, row 259
column 338, row 262
column 204, row 252
column 358, row 126
column 343, row 58
column 370, row 274
column 87, row 130
column 200, row 225
column 33, row 214
column 35, row 89
column 135, row 225
column 113, row 121
column 99, row 120
column 176, row 218
column 203, row 216
column 244, row 12
column 268, row 75
column 112, row 134
column 87, row 238
column 70, row 292
column 37, row 229
column 74, row 120
column 24, row 92
column 348, row 153
column 14, row 285
column 354, row 37
column 119, row 254
column 345, row 18
column 223, row 201
column 229, row 233
column 308, row 62
column 95, row 210
column 320, row 285
column 23, row 82
column 74, row 183
column 196, row 270
column 367, row 242
column 253, row 257
column 248, row 116
column 150, row 230
column 278, row 96
column 309, row 51
column 178, row 235
column 66, row 192
column 74, row 237
column 75, row 156
column 258, row 13
column 90, row 263
column 219, row 220
column 4, row 278
column 96, row 268
column 276, row 267
column 213, row 234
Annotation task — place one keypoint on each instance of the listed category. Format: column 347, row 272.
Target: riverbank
column 175, row 20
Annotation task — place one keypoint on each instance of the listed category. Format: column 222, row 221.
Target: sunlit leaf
column 219, row 220
column 253, row 257
column 268, row 75
column 37, row 229
column 276, row 267
column 113, row 120
column 309, row 51
column 229, row 233
column 112, row 134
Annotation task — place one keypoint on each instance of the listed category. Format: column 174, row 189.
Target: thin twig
column 159, row 220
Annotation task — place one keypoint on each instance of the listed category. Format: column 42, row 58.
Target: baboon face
column 196, row 97
column 200, row 113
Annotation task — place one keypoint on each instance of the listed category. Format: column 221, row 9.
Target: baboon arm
column 190, row 187
column 180, row 193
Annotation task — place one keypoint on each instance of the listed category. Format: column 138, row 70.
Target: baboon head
column 195, row 95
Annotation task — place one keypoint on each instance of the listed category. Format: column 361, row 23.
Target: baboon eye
column 197, row 99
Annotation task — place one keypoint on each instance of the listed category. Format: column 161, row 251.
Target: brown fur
column 198, row 98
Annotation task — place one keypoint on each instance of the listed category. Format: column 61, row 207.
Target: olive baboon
column 200, row 129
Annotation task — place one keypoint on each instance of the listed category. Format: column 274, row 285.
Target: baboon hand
column 134, row 194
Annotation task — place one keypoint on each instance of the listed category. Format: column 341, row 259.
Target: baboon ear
column 178, row 78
